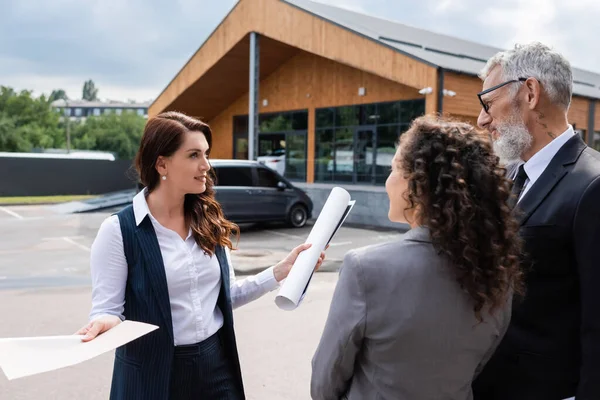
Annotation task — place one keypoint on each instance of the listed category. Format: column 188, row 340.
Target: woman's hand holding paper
column 283, row 268
column 98, row 326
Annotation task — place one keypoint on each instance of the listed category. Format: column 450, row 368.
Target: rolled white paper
column 332, row 216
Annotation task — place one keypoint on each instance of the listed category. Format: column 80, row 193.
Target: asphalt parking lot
column 40, row 248
column 45, row 290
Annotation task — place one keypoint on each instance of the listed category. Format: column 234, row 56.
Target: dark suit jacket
column 142, row 368
column 552, row 347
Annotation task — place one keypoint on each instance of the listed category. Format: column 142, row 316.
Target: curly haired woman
column 164, row 260
column 418, row 318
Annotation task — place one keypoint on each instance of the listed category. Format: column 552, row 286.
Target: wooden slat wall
column 295, row 27
column 578, row 112
column 465, row 102
column 307, row 82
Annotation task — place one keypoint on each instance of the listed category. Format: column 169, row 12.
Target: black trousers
column 202, row 372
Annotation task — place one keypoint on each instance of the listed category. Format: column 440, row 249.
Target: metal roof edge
column 428, row 63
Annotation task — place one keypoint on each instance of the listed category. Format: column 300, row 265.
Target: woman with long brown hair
column 164, row 260
column 419, row 317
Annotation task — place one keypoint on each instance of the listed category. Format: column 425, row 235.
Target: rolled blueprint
column 332, row 216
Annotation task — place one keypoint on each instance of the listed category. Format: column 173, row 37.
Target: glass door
column 364, row 155
column 295, row 156
column 240, row 146
column 284, row 152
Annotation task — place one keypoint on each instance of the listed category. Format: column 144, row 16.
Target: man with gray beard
column 551, row 349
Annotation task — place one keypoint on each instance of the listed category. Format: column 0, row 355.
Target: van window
column 234, row 176
column 266, row 178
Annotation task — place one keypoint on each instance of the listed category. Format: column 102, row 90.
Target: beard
column 513, row 140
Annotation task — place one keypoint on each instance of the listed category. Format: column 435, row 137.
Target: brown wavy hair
column 458, row 190
column 163, row 136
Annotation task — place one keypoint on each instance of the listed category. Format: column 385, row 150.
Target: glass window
column 96, row 112
column 344, row 154
column 376, row 128
column 324, row 155
column 240, row 124
column 140, row 111
column 272, row 145
column 324, row 117
column 300, row 121
column 367, row 114
column 266, row 178
column 346, row 116
column 295, row 159
column 388, row 113
column 596, row 142
column 241, row 147
column 118, row 111
column 78, row 112
column 411, row 109
column 275, row 122
column 234, row 176
column 387, row 139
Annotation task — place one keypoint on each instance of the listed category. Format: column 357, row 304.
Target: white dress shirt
column 193, row 278
column 538, row 163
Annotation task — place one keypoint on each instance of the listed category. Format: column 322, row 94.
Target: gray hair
column 536, row 60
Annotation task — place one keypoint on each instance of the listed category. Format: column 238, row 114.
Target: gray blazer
column 400, row 327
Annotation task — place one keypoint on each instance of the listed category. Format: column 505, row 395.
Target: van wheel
column 297, row 216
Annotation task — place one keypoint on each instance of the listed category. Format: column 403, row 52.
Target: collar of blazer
column 418, row 234
column 554, row 172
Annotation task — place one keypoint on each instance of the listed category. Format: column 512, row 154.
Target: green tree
column 120, row 134
column 58, row 94
column 27, row 122
column 90, row 93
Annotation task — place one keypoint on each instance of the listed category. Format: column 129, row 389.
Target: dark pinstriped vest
column 142, row 368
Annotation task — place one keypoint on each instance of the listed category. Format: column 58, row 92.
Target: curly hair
column 162, row 136
column 459, row 191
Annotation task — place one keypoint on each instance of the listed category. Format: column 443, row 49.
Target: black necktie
column 518, row 185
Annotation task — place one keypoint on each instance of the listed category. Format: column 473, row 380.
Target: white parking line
column 287, row 235
column 10, row 212
column 74, row 243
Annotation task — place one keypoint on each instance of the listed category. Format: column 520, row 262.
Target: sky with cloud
column 133, row 48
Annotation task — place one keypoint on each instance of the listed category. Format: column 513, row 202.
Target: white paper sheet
column 332, row 216
column 20, row 357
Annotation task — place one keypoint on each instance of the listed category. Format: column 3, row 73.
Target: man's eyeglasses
column 485, row 106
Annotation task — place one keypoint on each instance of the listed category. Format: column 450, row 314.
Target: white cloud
column 133, row 48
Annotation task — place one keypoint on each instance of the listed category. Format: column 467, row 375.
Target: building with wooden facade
column 331, row 89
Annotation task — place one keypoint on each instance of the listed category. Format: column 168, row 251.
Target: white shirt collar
column 141, row 210
column 140, row 206
column 536, row 165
